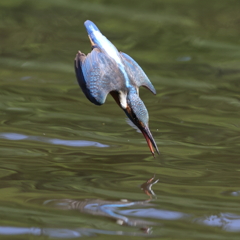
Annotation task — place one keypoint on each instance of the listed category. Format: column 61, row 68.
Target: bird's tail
column 94, row 34
column 90, row 27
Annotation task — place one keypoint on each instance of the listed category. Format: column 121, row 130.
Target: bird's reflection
column 110, row 209
column 124, row 212
column 147, row 187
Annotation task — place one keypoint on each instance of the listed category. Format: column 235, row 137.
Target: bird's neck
column 132, row 90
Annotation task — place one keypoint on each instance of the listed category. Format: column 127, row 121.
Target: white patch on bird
column 112, row 52
column 123, row 99
column 107, row 46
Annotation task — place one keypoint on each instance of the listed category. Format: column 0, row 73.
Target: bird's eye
column 135, row 117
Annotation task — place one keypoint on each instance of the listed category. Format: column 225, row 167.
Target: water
column 70, row 169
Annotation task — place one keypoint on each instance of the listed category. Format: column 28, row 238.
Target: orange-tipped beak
column 140, row 119
column 150, row 140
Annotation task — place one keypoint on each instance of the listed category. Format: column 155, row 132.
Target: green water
column 65, row 163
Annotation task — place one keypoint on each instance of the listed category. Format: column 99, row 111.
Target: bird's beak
column 149, row 138
column 144, row 129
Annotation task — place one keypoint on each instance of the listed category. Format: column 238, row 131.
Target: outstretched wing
column 137, row 75
column 97, row 75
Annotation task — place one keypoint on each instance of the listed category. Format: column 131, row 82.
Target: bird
column 106, row 70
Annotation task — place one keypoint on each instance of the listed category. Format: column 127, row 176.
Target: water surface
column 70, row 169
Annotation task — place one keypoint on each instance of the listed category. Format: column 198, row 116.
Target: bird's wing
column 136, row 73
column 97, row 75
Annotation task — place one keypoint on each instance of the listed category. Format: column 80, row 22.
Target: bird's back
column 101, row 42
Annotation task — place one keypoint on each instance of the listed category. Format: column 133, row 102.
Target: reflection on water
column 225, row 221
column 99, row 207
column 61, row 232
column 147, row 187
column 72, row 143
column 122, row 212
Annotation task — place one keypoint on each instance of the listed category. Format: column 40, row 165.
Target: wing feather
column 136, row 73
column 97, row 75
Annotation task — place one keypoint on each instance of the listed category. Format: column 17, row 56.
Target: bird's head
column 136, row 111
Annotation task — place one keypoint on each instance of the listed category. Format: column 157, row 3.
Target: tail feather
column 90, row 27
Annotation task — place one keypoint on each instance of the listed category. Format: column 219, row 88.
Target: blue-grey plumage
column 106, row 70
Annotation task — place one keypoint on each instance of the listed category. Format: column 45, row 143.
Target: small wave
column 55, row 141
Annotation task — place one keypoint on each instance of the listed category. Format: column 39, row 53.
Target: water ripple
column 61, row 232
column 226, row 221
column 55, row 141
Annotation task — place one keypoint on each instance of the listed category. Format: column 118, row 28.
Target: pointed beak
column 144, row 129
column 149, row 138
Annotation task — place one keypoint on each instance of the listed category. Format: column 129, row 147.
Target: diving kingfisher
column 106, row 70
